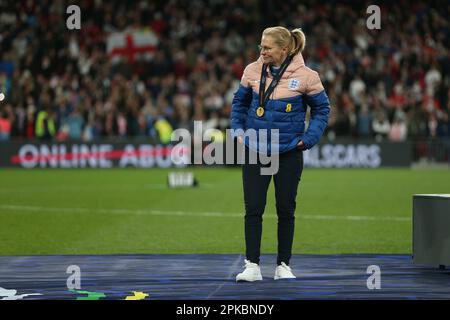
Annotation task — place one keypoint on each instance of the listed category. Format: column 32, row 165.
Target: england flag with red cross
column 131, row 45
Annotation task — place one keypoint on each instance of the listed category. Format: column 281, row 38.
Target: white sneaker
column 251, row 273
column 283, row 272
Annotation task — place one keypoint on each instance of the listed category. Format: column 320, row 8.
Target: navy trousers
column 286, row 182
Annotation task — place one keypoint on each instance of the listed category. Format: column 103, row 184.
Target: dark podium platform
column 431, row 229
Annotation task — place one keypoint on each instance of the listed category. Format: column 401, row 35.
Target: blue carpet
column 212, row 276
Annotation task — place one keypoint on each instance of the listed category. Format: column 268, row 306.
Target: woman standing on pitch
column 273, row 94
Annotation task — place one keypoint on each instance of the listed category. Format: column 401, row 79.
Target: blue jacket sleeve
column 239, row 107
column 320, row 109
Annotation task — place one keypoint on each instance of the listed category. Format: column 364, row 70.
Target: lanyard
column 264, row 96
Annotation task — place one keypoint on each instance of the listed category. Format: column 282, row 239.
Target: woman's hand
column 301, row 145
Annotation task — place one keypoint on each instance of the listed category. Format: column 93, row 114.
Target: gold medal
column 260, row 111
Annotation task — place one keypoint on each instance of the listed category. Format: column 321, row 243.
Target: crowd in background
column 392, row 83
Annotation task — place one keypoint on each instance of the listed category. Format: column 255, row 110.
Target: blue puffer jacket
column 285, row 110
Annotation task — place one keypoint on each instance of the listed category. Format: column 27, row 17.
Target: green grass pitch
column 92, row 211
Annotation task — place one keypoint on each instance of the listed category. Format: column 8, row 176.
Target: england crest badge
column 293, row 84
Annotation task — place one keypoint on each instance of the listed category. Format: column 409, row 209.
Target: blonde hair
column 295, row 40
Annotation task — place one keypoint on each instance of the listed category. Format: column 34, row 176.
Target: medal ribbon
column 264, row 96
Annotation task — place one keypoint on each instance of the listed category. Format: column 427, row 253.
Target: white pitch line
column 196, row 214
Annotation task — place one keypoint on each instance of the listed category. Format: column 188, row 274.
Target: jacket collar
column 296, row 63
